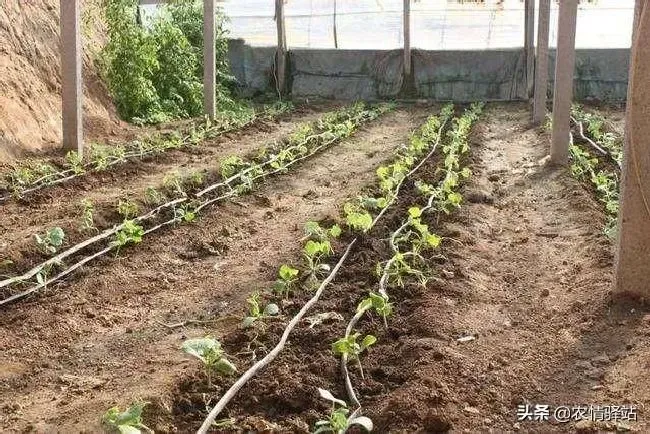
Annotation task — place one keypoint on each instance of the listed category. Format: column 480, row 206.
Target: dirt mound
column 30, row 77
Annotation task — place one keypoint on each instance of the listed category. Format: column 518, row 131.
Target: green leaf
column 224, row 366
column 433, row 240
column 287, row 273
column 335, row 231
column 415, row 212
column 56, row 236
column 201, row 347
column 365, row 304
column 271, row 309
column 465, row 173
column 368, row 341
column 248, row 321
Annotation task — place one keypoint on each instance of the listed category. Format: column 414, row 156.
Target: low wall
column 493, row 75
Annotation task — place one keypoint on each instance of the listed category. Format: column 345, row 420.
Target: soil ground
column 527, row 273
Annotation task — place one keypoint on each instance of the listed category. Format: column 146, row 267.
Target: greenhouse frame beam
column 209, row 59
column 529, row 45
column 541, row 63
column 633, row 244
column 563, row 86
column 71, row 78
column 281, row 51
column 407, row 40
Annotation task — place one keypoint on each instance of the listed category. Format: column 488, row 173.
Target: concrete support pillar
column 407, row 40
column 529, row 45
column 209, row 59
column 564, row 70
column 541, row 63
column 633, row 252
column 72, row 93
column 281, row 53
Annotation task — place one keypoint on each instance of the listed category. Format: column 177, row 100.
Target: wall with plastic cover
column 465, row 75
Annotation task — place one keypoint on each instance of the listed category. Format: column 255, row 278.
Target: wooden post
column 563, row 90
column 209, row 59
column 281, row 53
column 529, row 44
column 541, row 63
column 633, row 252
column 407, row 40
column 72, row 93
column 638, row 7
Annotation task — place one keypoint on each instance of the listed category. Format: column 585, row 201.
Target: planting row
column 31, row 176
column 181, row 199
column 596, row 156
column 408, row 243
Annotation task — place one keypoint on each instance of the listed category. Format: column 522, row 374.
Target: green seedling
column 173, row 183
column 231, row 165
column 153, row 196
column 255, row 311
column 131, row 233
column 315, row 232
column 314, row 252
column 210, row 353
column 127, row 208
column 339, row 420
column 186, row 213
column 287, row 281
column 380, row 304
column 50, row 242
column 126, row 422
column 75, row 162
column 353, row 349
column 357, row 218
column 87, row 215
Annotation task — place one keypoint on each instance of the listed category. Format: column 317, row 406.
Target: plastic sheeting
column 436, row 24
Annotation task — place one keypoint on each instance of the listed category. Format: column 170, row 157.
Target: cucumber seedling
column 287, row 282
column 50, row 242
column 210, row 353
column 126, row 422
column 352, row 349
column 340, row 420
column 255, row 311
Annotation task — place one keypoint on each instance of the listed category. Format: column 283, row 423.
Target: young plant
column 315, row 232
column 340, row 420
column 173, row 183
column 287, row 282
column 210, row 353
column 231, row 165
column 379, row 303
column 131, row 233
column 50, row 242
column 75, row 162
column 186, row 213
column 356, row 217
column 126, row 422
column 153, row 196
column 87, row 215
column 352, row 349
column 255, row 311
column 127, row 208
column 314, row 252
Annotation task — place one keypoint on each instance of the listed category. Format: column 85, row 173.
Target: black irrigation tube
column 69, row 174
column 174, row 203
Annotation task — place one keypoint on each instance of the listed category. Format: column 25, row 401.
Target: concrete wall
column 494, row 75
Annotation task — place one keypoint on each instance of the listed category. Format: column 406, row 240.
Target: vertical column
column 638, row 7
column 209, row 59
column 529, row 44
column 633, row 252
column 407, row 40
column 541, row 65
column 281, row 53
column 563, row 90
column 72, row 94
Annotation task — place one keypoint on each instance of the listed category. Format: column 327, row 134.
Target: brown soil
column 61, row 205
column 528, row 275
column 30, row 79
column 526, row 271
column 72, row 352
